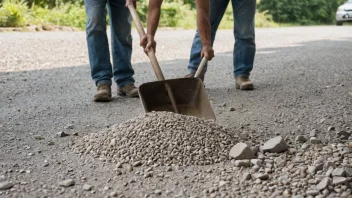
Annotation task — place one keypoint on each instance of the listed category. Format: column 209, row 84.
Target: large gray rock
column 339, row 172
column 323, row 184
column 241, row 151
column 275, row 145
column 5, row 185
column 339, row 180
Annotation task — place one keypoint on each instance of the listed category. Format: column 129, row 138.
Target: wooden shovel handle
column 151, row 53
column 201, row 67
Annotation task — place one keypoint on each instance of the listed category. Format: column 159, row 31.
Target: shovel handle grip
column 151, row 53
column 201, row 67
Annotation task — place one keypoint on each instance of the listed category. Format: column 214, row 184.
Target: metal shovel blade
column 189, row 94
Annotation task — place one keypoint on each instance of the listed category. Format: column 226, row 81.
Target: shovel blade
column 189, row 94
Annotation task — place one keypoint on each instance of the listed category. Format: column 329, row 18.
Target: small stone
column 6, row 185
column 300, row 138
column 241, row 151
column 331, row 128
column 339, row 180
column 280, row 161
column 314, row 140
column 62, row 134
column 275, row 145
column 113, row 194
column 257, row 162
column 297, row 196
column 223, row 183
column 323, row 184
column 75, row 134
column 137, row 163
column 232, row 109
column 344, row 134
column 339, row 172
column 348, row 171
column 247, row 176
column 87, row 187
column 169, row 168
column 149, row 174
column 311, row 169
column 313, row 192
column 129, row 168
column 158, row 192
column 350, row 145
column 262, row 176
column 329, row 164
column 38, row 137
column 305, row 146
column 70, row 126
column 329, row 172
column 67, row 183
column 119, row 165
column 50, row 143
column 223, row 104
column 244, row 163
column 313, row 133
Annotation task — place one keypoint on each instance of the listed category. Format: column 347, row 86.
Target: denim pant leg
column 245, row 48
column 121, row 42
column 97, row 41
column 217, row 10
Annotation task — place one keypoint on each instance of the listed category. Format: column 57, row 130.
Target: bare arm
column 147, row 41
column 203, row 23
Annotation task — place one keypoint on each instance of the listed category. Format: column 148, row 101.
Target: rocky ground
column 294, row 128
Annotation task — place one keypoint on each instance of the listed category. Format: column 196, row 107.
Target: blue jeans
column 244, row 47
column 121, row 42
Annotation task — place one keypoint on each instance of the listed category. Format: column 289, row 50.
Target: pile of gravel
column 160, row 138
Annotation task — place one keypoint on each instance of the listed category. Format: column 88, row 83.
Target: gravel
column 160, row 138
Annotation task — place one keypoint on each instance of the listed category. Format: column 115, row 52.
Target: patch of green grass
column 14, row 13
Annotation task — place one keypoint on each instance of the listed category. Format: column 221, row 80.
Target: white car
column 344, row 13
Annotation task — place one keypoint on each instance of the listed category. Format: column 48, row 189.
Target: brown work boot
column 190, row 75
column 243, row 83
column 129, row 90
column 103, row 93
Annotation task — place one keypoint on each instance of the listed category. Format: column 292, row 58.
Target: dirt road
column 302, row 76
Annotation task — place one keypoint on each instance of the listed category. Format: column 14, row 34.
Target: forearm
column 153, row 16
column 203, row 21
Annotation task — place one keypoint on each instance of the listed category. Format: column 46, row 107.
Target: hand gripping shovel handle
column 151, row 53
column 201, row 67
column 152, row 57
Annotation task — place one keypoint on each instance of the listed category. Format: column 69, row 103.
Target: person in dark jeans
column 101, row 68
column 244, row 47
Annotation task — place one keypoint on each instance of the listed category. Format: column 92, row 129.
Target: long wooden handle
column 151, row 54
column 201, row 67
column 152, row 57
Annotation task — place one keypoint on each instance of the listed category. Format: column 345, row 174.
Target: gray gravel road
column 302, row 76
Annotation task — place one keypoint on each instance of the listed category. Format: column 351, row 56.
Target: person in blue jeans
column 102, row 70
column 244, row 47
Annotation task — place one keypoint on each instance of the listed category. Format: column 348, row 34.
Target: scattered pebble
column 62, row 134
column 275, row 145
column 241, row 151
column 67, row 183
column 87, row 187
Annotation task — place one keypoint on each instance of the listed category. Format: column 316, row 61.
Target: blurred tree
column 301, row 11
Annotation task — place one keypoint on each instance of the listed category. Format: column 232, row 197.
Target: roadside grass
column 16, row 13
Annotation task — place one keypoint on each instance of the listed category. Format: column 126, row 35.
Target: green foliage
column 301, row 11
column 13, row 13
column 64, row 15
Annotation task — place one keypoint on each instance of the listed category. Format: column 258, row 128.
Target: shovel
column 186, row 96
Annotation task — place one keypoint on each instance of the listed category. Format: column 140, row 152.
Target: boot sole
column 131, row 96
column 245, row 87
column 102, row 99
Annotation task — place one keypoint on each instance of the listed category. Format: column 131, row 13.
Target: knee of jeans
column 96, row 20
column 245, row 32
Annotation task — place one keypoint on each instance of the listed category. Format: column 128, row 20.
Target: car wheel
column 339, row 23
